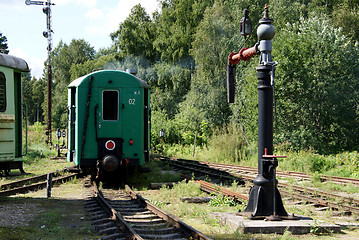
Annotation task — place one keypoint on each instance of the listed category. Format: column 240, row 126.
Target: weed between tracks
column 199, row 215
column 142, row 180
column 33, row 216
column 39, row 158
column 196, row 215
column 62, row 217
column 59, row 217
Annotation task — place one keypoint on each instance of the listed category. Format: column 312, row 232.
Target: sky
column 91, row 20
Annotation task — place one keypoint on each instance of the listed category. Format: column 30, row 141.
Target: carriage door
column 108, row 129
column 109, row 117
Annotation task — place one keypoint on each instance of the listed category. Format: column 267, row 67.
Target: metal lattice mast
column 49, row 70
column 47, row 34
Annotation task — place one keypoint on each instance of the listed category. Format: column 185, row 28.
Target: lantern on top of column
column 245, row 25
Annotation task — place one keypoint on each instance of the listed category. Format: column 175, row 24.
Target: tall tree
column 171, row 83
column 33, row 91
column 64, row 57
column 317, row 92
column 346, row 16
column 177, row 25
column 3, row 44
column 136, row 34
column 213, row 40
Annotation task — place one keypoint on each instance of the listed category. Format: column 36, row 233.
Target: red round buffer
column 110, row 145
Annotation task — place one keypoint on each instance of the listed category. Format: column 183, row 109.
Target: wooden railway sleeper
column 322, row 202
column 138, row 218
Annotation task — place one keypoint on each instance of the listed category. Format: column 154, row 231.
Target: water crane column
column 264, row 198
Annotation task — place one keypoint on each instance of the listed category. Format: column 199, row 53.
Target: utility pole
column 47, row 34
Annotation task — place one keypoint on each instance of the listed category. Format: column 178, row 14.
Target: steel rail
column 36, row 186
column 205, row 170
column 299, row 196
column 213, row 188
column 9, row 185
column 328, row 178
column 301, row 175
column 188, row 230
column 320, row 202
column 125, row 227
column 130, row 231
column 321, row 193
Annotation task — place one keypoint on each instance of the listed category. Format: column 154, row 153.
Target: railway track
column 127, row 215
column 253, row 171
column 292, row 174
column 35, row 183
column 310, row 195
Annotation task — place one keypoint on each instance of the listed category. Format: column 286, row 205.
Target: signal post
column 47, row 34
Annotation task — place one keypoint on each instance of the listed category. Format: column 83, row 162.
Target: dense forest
column 182, row 52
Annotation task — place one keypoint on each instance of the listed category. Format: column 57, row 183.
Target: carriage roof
column 13, row 62
column 121, row 79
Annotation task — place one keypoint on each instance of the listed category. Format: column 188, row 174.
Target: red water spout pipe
column 244, row 54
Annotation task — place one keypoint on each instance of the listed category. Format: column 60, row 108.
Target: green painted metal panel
column 123, row 79
column 11, row 110
column 132, row 123
column 7, row 119
column 90, row 150
column 129, row 120
column 18, row 114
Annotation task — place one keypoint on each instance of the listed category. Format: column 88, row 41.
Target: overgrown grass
column 230, row 146
column 342, row 164
column 39, row 158
column 52, row 219
column 168, row 199
column 226, row 145
column 156, row 175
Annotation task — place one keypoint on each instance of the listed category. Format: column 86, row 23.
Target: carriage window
column 2, row 92
column 110, row 105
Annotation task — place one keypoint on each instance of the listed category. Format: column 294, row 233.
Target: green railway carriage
column 11, row 112
column 108, row 122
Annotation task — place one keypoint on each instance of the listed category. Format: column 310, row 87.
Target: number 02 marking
column 131, row 101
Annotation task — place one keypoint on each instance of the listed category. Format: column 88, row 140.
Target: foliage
column 344, row 164
column 206, row 100
column 33, row 94
column 317, row 87
column 143, row 180
column 177, row 131
column 136, row 34
column 181, row 51
column 170, row 84
column 176, row 27
column 227, row 145
column 3, row 44
column 285, row 12
column 220, row 200
column 188, row 189
column 63, row 58
column 81, row 69
column 346, row 16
